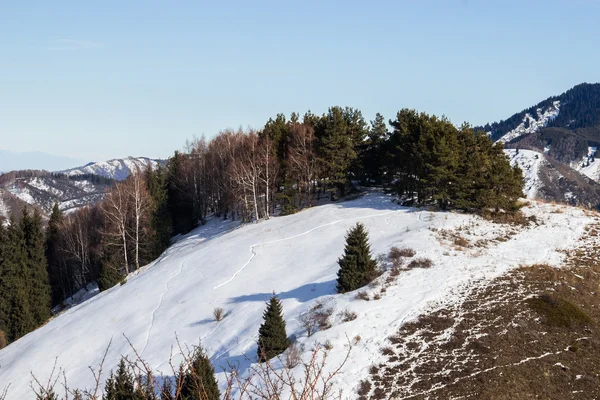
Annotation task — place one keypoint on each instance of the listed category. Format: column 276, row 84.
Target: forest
column 245, row 175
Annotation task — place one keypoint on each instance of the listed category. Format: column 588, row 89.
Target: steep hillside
column 42, row 189
column 549, row 180
column 577, row 108
column 237, row 268
column 117, row 169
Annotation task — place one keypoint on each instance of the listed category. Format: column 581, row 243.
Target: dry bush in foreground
column 263, row 381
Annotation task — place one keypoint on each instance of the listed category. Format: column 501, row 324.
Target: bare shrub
column 317, row 318
column 219, row 314
column 357, row 339
column 328, row 345
column 362, row 295
column 348, row 315
column 397, row 253
column 262, row 381
column 292, row 356
column 420, row 263
column 3, row 341
column 377, row 296
column 461, row 242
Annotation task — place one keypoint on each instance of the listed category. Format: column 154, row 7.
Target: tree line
column 250, row 175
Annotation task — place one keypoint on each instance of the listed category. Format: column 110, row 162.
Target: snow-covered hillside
column 532, row 124
column 529, row 162
column 238, row 267
column 118, row 169
column 589, row 166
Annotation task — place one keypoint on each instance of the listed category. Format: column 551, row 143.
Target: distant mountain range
column 117, row 169
column 562, row 134
column 71, row 188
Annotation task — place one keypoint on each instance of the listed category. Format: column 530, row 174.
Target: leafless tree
column 115, row 208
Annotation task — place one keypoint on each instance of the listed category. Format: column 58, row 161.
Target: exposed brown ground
column 531, row 334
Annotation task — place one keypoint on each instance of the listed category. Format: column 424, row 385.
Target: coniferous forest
column 245, row 175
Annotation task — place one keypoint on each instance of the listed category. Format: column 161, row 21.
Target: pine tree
column 19, row 319
column 56, row 270
column 198, row 382
column 374, row 156
column 121, row 386
column 272, row 337
column 357, row 267
column 179, row 204
column 161, row 221
column 39, row 286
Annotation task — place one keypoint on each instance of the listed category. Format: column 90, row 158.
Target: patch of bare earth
column 530, row 334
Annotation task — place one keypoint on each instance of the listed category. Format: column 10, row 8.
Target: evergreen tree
column 374, row 157
column 179, row 204
column 357, row 267
column 4, row 294
column 110, row 392
column 19, row 319
column 38, row 282
column 198, row 382
column 272, row 337
column 121, row 386
column 340, row 134
column 56, row 270
column 161, row 221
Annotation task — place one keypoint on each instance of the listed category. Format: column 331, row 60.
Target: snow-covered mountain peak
column 118, row 169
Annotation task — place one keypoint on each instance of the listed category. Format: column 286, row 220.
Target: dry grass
column 532, row 330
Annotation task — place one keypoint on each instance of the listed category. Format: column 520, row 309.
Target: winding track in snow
column 253, row 252
column 160, row 301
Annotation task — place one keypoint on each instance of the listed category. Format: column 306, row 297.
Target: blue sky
column 105, row 79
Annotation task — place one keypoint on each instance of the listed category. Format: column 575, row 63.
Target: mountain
column 559, row 136
column 117, row 169
column 550, row 180
column 41, row 189
column 223, row 264
column 563, row 126
column 14, row 161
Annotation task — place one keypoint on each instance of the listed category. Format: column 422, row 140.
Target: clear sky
column 104, row 79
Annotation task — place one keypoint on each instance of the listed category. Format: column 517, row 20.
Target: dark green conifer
column 56, row 270
column 357, row 266
column 38, row 282
column 198, row 382
column 272, row 337
column 18, row 318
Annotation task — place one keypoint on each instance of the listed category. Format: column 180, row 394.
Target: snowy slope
column 118, row 169
column 589, row 166
column 237, row 268
column 531, row 123
column 529, row 162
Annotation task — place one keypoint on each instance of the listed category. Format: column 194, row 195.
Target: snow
column 22, row 193
column 118, row 169
column 43, row 186
column 588, row 166
column 543, row 118
column 4, row 211
column 238, row 267
column 529, row 161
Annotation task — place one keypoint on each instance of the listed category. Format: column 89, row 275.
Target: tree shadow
column 303, row 293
